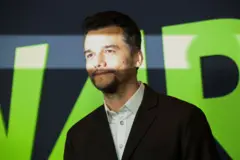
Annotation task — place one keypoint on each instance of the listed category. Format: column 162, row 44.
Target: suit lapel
column 102, row 144
column 143, row 120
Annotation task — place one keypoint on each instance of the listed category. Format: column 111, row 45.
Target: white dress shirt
column 121, row 122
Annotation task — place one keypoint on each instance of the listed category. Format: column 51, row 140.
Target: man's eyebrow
column 87, row 51
column 112, row 46
column 106, row 47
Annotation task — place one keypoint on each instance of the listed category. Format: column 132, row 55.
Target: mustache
column 98, row 72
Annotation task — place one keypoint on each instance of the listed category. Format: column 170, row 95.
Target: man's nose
column 101, row 61
column 101, row 64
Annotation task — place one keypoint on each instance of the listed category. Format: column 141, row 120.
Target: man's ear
column 138, row 59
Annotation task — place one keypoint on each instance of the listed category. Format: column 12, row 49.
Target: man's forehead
column 99, row 38
column 107, row 30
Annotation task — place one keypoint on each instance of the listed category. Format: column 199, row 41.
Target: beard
column 107, row 83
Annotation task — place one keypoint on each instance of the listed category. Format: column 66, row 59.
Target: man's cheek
column 112, row 63
column 89, row 69
column 90, row 64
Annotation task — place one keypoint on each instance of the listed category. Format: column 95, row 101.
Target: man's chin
column 107, row 88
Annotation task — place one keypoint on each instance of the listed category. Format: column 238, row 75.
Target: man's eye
column 109, row 51
column 89, row 55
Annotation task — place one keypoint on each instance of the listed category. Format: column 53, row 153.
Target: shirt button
column 121, row 122
column 120, row 146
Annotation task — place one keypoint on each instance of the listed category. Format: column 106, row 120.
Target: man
column 134, row 122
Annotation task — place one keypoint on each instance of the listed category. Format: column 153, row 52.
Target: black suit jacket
column 165, row 128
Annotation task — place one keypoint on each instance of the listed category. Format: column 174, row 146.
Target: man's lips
column 101, row 73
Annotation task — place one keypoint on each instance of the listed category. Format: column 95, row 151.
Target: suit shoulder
column 178, row 106
column 179, row 112
column 84, row 124
column 174, row 101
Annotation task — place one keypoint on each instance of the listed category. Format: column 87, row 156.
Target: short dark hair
column 132, row 34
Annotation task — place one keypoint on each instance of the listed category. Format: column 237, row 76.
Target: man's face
column 109, row 61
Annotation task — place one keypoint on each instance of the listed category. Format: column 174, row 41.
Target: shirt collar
column 133, row 103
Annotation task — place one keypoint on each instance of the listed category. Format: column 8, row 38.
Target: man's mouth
column 101, row 73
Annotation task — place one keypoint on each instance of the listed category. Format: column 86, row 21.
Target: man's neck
column 117, row 100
